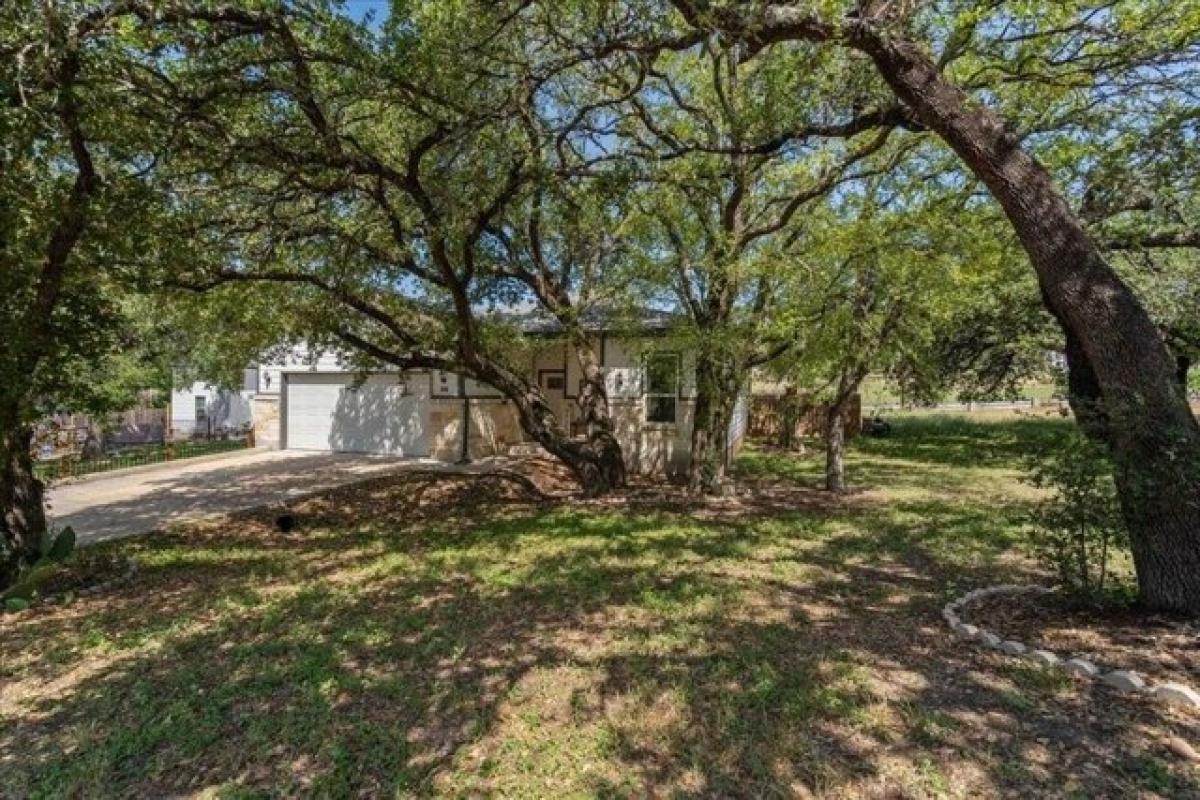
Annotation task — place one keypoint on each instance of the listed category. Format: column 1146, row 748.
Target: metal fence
column 767, row 414
column 71, row 467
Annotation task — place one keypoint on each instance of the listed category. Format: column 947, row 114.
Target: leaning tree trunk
column 1153, row 435
column 592, row 466
column 1183, row 365
column 1084, row 394
column 21, row 503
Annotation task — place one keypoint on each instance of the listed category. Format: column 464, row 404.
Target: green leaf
column 15, row 604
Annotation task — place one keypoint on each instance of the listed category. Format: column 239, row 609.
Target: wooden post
column 465, row 452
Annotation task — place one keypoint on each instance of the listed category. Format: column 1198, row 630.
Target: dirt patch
column 549, row 475
column 518, row 482
column 1162, row 648
column 754, row 497
column 403, row 498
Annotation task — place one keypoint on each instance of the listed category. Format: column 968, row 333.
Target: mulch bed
column 405, row 497
column 499, row 483
column 1161, row 647
column 519, row 481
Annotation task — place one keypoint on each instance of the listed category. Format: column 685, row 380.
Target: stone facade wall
column 649, row 448
column 494, row 428
column 266, row 420
column 653, row 448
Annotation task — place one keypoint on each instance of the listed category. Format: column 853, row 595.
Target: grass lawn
column 427, row 637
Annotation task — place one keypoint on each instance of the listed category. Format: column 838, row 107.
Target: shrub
column 1078, row 529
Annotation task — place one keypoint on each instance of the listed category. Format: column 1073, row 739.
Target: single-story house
column 204, row 409
column 323, row 404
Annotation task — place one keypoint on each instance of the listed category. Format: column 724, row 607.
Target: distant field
column 879, row 391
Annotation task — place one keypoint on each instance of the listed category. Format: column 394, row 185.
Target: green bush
column 1078, row 530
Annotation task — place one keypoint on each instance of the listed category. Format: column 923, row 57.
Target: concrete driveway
column 113, row 506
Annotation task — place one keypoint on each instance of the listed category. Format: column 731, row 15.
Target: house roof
column 596, row 320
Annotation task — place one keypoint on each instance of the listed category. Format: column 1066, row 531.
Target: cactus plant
column 63, row 545
column 56, row 545
column 55, row 548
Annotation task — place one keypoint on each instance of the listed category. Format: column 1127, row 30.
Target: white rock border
column 1124, row 681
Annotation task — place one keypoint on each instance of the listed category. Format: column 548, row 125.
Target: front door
column 553, row 383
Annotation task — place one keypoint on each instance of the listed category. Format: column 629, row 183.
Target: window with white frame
column 661, row 387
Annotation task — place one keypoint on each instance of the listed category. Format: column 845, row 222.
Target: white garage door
column 387, row 414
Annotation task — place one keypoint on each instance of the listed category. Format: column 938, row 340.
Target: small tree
column 730, row 188
column 1079, row 526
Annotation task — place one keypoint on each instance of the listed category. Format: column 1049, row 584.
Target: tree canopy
column 836, row 187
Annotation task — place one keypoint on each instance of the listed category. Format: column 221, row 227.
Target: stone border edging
column 1125, row 681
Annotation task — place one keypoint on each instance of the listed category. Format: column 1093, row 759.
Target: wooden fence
column 766, row 416
column 72, row 434
column 1018, row 405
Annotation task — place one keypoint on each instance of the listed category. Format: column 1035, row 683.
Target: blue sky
column 360, row 8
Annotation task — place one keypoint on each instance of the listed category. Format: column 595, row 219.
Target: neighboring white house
column 205, row 410
column 306, row 404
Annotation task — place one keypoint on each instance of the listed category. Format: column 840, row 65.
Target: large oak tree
column 1122, row 377
column 79, row 221
column 404, row 175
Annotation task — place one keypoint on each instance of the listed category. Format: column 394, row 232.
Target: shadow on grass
column 555, row 651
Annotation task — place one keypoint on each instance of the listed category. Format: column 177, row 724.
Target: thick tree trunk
column 835, row 426
column 1083, row 392
column 1154, row 437
column 593, row 466
column 716, row 395
column 29, row 340
column 21, row 503
column 597, row 418
column 835, row 448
